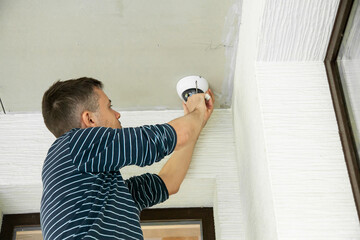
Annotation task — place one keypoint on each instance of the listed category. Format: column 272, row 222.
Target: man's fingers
column 211, row 95
column 199, row 97
column 210, row 101
column 186, row 110
column 196, row 101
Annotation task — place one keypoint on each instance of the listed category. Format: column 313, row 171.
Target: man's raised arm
column 188, row 129
column 105, row 149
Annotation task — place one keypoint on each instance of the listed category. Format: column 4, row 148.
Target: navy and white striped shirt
column 84, row 194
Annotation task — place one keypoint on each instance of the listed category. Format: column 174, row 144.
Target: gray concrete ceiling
column 139, row 49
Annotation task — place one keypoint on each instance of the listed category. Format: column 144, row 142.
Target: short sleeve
column 147, row 190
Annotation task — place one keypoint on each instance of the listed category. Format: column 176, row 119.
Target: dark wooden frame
column 182, row 214
column 205, row 215
column 342, row 115
column 11, row 221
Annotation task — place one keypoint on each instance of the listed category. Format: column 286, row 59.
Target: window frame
column 205, row 215
column 338, row 98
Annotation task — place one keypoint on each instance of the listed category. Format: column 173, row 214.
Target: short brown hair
column 64, row 101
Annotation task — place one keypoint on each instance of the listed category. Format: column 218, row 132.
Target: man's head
column 77, row 103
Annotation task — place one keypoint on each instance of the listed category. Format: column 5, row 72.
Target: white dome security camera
column 190, row 85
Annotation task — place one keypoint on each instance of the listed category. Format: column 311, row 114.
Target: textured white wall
column 294, row 30
column 311, row 188
column 211, row 180
column 255, row 181
column 291, row 165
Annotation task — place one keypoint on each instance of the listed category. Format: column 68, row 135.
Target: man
column 84, row 194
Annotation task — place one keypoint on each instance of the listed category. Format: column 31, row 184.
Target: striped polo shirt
column 84, row 195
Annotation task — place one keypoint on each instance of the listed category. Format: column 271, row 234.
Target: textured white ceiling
column 139, row 49
column 294, row 30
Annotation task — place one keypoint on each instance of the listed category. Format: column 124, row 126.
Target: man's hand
column 196, row 114
column 197, row 101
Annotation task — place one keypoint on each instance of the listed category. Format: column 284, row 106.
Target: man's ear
column 88, row 119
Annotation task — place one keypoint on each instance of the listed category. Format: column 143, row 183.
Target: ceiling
column 139, row 49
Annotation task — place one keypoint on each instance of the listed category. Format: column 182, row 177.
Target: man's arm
column 174, row 171
column 147, row 190
column 187, row 128
column 104, row 149
column 101, row 149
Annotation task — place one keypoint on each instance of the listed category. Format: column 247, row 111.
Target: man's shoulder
column 76, row 134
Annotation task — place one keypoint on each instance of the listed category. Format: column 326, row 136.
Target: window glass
column 348, row 63
column 27, row 233
column 172, row 230
column 184, row 230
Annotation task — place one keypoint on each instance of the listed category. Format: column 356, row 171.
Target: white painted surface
column 255, row 181
column 212, row 179
column 230, row 39
column 291, row 165
column 311, row 188
column 294, row 30
column 139, row 49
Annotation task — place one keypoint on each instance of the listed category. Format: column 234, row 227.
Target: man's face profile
column 106, row 116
